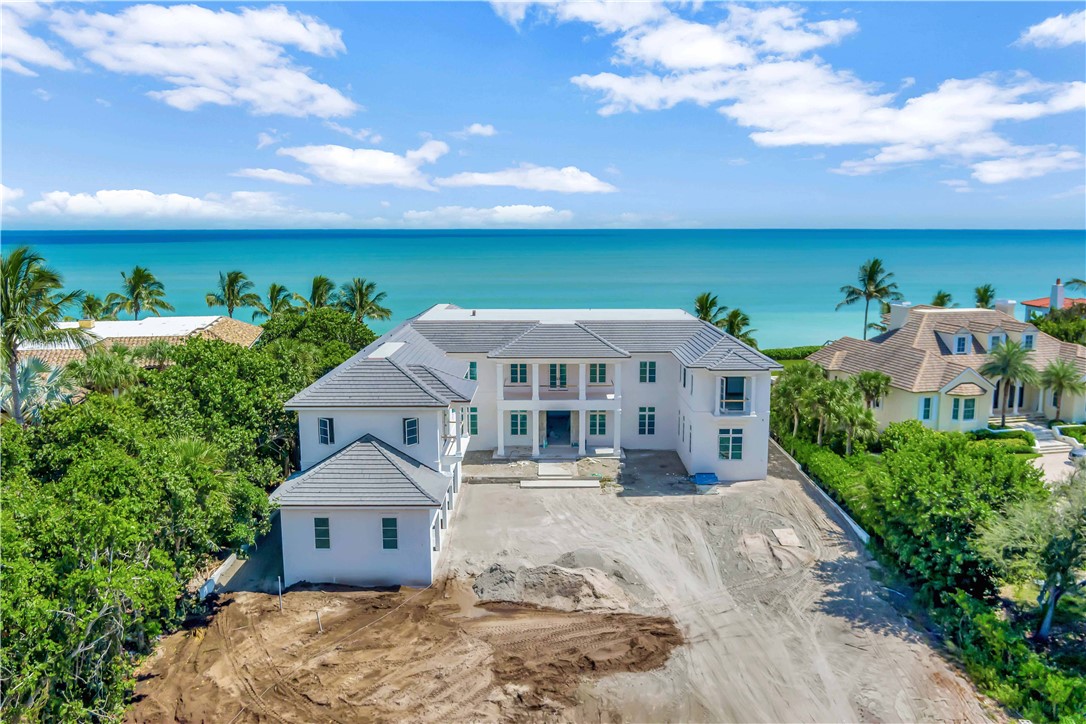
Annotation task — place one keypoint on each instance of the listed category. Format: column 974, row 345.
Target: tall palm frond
column 875, row 284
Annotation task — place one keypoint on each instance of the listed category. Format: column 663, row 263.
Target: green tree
column 95, row 308
column 140, row 292
column 873, row 385
column 1009, row 363
column 856, row 420
column 361, row 300
column 1042, row 538
column 707, row 308
column 157, row 354
column 279, row 302
column 1062, row 377
column 41, row 387
column 826, row 401
column 737, row 324
column 322, row 293
column 984, row 296
column 942, row 299
column 31, row 304
column 1066, row 325
column 874, row 285
column 334, row 334
column 111, row 370
column 235, row 290
column 791, row 392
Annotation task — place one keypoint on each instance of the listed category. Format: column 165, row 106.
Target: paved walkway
column 260, row 570
column 1055, row 466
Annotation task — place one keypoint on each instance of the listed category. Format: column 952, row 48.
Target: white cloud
column 501, row 216
column 738, row 162
column 1031, row 163
column 138, row 207
column 1078, row 192
column 19, row 47
column 958, row 185
column 8, row 196
column 268, row 138
column 43, row 94
column 103, row 102
column 477, row 129
column 1056, row 32
column 568, row 180
column 273, row 174
column 369, row 166
column 362, row 134
column 755, row 68
column 218, row 57
column 511, row 12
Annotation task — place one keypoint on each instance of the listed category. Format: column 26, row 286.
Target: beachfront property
column 933, row 354
column 1057, row 299
column 137, row 333
column 383, row 436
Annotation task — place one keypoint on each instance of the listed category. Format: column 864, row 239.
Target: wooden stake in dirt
column 280, row 581
column 319, row 622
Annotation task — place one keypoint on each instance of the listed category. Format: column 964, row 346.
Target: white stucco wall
column 386, row 425
column 700, row 451
column 356, row 556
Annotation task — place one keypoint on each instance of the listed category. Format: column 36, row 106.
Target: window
column 690, row 440
column 326, row 431
column 473, row 420
column 648, row 371
column 682, row 428
column 390, row 538
column 473, row 371
column 730, row 443
column 411, row 431
column 646, row 420
column 558, row 376
column 597, row 373
column 1027, row 341
column 1055, row 398
column 322, row 537
column 518, row 423
column 684, row 377
column 959, row 345
column 969, row 409
column 954, row 408
column 518, row 374
column 597, row 423
column 925, row 408
column 994, row 340
column 733, row 394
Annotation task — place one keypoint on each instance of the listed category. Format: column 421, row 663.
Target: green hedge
column 1076, row 431
column 781, row 354
column 1007, row 435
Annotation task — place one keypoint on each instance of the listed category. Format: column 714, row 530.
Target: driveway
column 781, row 617
column 260, row 570
column 1055, row 466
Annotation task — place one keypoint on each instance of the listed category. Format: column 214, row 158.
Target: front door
column 558, row 427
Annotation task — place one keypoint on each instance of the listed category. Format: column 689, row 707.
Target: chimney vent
column 86, row 324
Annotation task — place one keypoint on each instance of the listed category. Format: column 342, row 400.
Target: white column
column 618, row 432
column 1041, row 399
column 534, row 415
column 618, row 380
column 582, row 430
column 581, row 380
column 501, row 433
column 1017, row 392
column 535, row 380
column 460, row 422
column 500, row 372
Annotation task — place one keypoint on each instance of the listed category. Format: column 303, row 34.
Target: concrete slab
column 557, row 470
column 560, row 483
column 787, row 537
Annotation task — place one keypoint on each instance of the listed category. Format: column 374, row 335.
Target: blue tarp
column 705, row 479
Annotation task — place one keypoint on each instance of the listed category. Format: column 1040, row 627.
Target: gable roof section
column 476, row 336
column 368, row 472
column 558, row 341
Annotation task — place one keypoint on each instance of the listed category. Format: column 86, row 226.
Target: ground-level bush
column 1004, row 435
column 1078, row 432
column 782, row 354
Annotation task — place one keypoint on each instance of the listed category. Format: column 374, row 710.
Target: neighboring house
column 1056, row 299
column 932, row 355
column 383, row 436
column 136, row 333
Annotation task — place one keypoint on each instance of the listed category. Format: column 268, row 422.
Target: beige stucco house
column 932, row 355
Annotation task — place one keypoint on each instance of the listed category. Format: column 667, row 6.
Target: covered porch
column 559, row 433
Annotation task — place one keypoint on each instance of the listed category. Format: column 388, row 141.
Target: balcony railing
column 569, row 392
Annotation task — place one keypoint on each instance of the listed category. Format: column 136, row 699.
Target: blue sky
column 869, row 115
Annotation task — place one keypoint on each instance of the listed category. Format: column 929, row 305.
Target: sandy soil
column 413, row 654
column 774, row 632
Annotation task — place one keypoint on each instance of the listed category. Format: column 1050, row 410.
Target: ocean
column 787, row 281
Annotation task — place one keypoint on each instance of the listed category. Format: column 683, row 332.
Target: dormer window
column 1027, row 341
column 959, row 345
column 994, row 341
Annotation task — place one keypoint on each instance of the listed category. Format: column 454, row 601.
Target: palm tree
column 362, row 300
column 872, row 385
column 140, row 292
column 875, row 285
column 856, row 419
column 984, row 296
column 41, row 387
column 826, row 400
column 737, row 324
column 1076, row 284
column 884, row 309
column 107, row 370
column 1061, row 376
column 1009, row 363
column 31, row 304
column 791, row 390
column 235, row 290
column 157, row 353
column 708, row 309
column 95, row 308
column 321, row 294
column 941, row 299
column 279, row 299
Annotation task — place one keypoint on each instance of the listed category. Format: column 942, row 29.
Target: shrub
column 1004, row 435
column 1078, row 432
column 782, row 354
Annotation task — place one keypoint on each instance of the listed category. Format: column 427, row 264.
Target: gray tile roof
column 558, row 341
column 368, row 472
column 472, row 336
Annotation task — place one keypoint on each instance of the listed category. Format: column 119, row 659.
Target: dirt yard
column 749, row 604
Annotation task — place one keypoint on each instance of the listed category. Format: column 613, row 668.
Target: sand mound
column 551, row 586
column 617, row 570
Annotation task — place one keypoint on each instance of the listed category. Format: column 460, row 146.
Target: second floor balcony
column 569, row 392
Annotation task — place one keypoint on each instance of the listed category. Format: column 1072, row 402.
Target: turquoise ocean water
column 786, row 280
